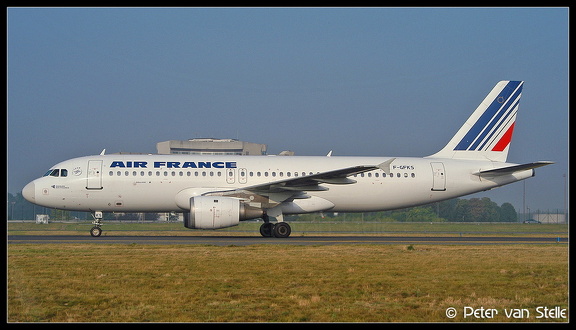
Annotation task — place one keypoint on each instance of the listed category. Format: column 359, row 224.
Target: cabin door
column 438, row 176
column 94, row 178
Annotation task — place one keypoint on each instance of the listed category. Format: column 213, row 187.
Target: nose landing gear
column 96, row 231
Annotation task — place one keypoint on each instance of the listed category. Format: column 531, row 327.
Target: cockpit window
column 54, row 172
column 57, row 172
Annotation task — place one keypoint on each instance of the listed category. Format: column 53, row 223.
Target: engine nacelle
column 214, row 212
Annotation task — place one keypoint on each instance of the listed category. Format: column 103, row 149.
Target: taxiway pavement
column 293, row 240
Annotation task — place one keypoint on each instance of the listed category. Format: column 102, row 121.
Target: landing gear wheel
column 281, row 230
column 266, row 229
column 96, row 231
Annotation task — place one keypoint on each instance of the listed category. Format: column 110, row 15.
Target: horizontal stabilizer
column 514, row 168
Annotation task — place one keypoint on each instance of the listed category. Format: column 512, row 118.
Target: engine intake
column 214, row 212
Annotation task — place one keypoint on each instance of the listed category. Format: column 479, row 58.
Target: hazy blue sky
column 359, row 81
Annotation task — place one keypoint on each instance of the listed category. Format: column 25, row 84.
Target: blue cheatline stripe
column 491, row 111
column 503, row 123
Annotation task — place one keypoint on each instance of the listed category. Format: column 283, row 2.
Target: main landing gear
column 280, row 229
column 96, row 231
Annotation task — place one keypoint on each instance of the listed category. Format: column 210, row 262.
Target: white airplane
column 219, row 191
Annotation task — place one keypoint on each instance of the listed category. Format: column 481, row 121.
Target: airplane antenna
column 103, row 151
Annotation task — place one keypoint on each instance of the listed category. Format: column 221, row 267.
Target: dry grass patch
column 338, row 283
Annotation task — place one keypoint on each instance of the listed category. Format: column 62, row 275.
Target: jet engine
column 214, row 212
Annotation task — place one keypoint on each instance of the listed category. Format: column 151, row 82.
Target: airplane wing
column 312, row 182
column 296, row 187
column 512, row 169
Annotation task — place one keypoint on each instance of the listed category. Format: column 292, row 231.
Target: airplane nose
column 29, row 192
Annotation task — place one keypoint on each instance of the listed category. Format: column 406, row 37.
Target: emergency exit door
column 230, row 175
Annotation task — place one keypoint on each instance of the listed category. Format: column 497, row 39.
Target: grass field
column 266, row 283
column 263, row 283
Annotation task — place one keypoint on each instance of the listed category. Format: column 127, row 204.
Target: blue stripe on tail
column 491, row 116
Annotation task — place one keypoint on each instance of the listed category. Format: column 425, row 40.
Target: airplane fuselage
column 164, row 183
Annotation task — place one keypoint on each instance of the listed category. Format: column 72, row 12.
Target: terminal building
column 210, row 146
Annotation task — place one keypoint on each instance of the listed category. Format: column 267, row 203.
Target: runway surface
column 295, row 240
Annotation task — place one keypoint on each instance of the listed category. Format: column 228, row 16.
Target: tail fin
column 486, row 135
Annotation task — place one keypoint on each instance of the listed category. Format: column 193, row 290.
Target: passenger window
column 111, row 173
column 398, row 175
column 118, row 173
column 413, row 175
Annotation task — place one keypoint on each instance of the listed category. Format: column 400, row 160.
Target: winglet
column 385, row 166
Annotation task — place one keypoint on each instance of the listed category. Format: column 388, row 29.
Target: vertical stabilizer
column 487, row 134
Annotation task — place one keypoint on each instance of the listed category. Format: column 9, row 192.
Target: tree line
column 452, row 210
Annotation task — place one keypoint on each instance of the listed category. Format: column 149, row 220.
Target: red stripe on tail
column 505, row 140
